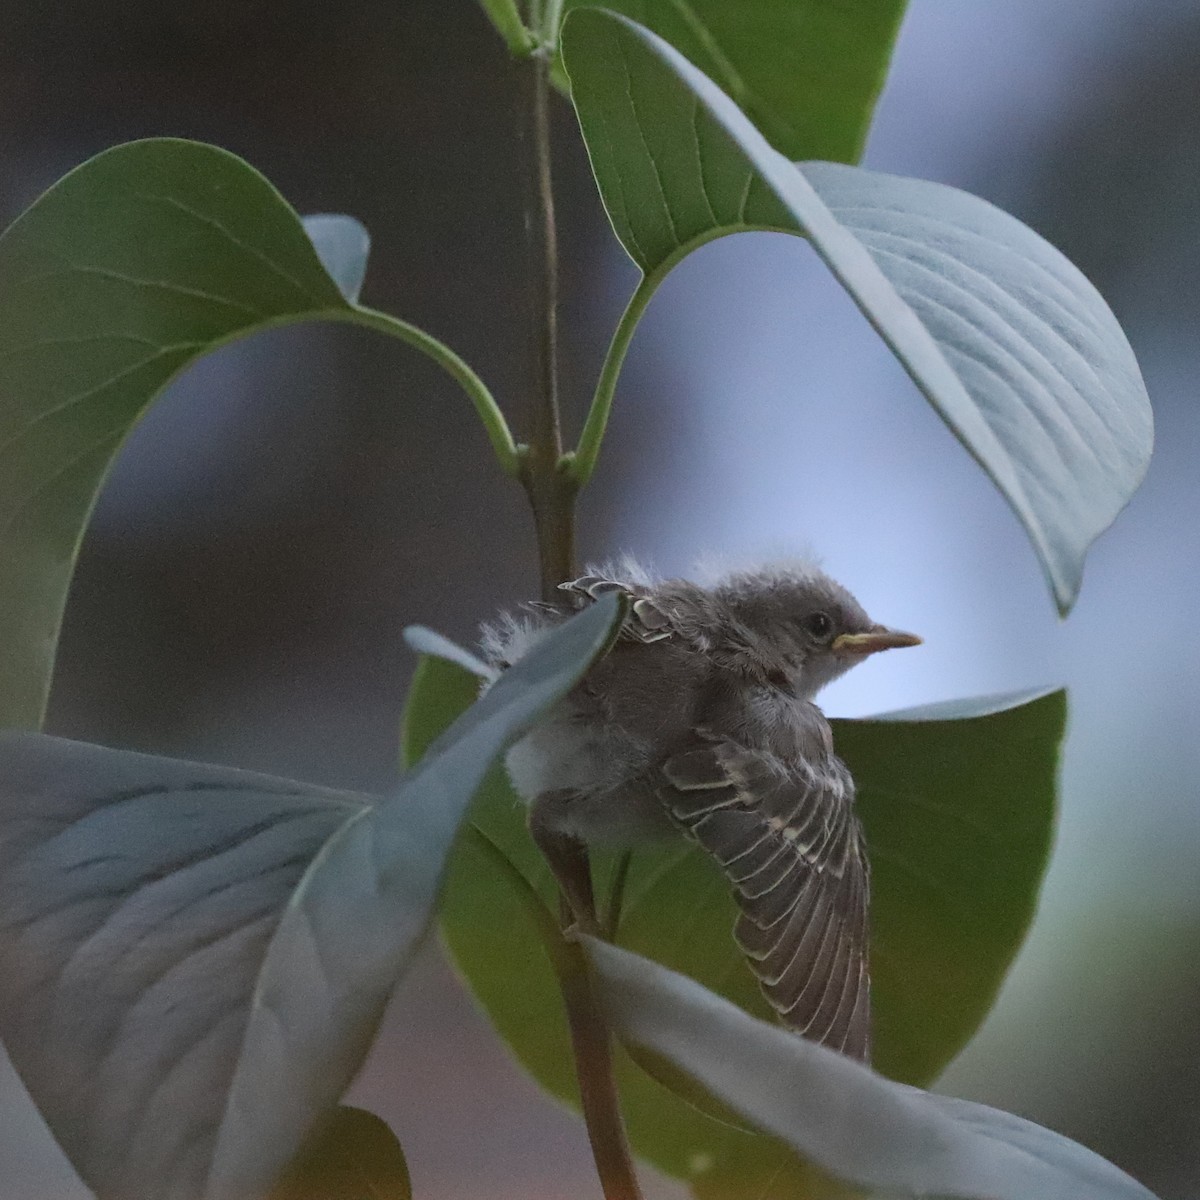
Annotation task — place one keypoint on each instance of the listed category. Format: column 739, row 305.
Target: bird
column 701, row 720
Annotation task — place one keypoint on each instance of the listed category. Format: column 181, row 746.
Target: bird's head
column 796, row 628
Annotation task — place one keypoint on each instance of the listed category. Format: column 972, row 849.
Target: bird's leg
column 567, row 857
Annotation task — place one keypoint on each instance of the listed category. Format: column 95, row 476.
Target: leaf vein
column 82, row 397
column 178, row 289
column 246, row 248
column 662, row 191
column 991, row 282
column 1054, row 433
column 50, row 480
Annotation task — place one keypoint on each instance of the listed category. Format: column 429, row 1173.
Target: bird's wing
column 646, row 622
column 787, row 838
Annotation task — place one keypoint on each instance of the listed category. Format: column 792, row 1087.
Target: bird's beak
column 877, row 638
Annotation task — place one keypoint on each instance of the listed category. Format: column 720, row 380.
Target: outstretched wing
column 786, row 837
column 646, row 622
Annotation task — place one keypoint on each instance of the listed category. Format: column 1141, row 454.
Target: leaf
column 1008, row 341
column 859, row 1126
column 342, row 244
column 430, row 643
column 959, row 805
column 193, row 959
column 485, row 913
column 122, row 275
column 351, row 1155
column 807, row 73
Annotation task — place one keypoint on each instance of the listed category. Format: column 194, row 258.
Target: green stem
column 552, row 497
column 580, row 465
column 533, row 13
column 589, row 1032
column 507, row 20
column 551, row 490
column 489, row 412
column 616, row 895
column 551, row 20
column 592, row 1043
column 525, row 892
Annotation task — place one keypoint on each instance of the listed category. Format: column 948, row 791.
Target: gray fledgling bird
column 701, row 719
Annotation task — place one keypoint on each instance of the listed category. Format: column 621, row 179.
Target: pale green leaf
column 194, row 960
column 1009, row 342
column 860, row 1127
column 342, row 244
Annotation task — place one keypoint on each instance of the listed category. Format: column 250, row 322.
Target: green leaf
column 958, row 802
column 1008, row 341
column 861, row 1127
column 351, row 1155
column 807, row 73
column 117, row 279
column 428, row 643
column 959, row 806
column 194, row 960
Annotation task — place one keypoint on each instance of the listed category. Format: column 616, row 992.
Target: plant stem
column 507, row 21
column 552, row 494
column 592, row 1043
column 551, row 490
column 579, row 466
column 551, row 19
column 489, row 412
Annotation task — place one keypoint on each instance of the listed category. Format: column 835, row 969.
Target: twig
column 552, row 494
column 550, row 488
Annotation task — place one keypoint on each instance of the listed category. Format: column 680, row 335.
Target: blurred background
column 295, row 501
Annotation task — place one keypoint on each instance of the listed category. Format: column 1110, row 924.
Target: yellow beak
column 877, row 638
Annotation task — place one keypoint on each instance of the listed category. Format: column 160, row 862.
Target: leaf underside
column 1010, row 343
column 860, row 1127
column 194, row 960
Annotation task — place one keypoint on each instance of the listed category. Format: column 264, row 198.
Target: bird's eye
column 819, row 625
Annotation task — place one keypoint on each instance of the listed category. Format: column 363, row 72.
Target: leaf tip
column 342, row 244
column 426, row 641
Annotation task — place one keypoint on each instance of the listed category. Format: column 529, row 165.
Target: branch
column 507, row 21
column 489, row 412
column 592, row 1042
column 552, row 492
column 580, row 465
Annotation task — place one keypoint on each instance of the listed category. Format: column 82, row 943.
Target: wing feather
column 787, row 839
column 646, row 622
